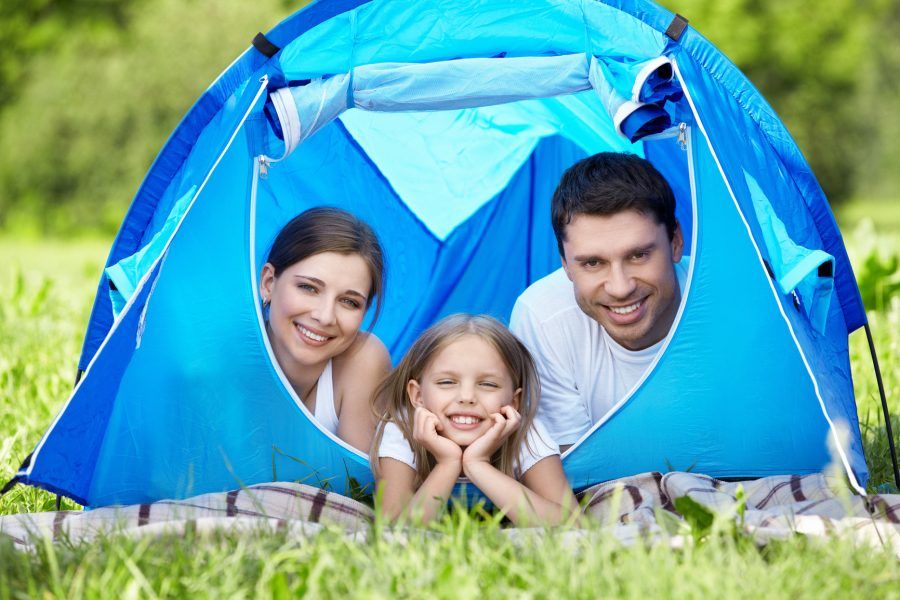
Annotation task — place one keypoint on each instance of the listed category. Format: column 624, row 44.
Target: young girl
column 325, row 269
column 462, row 403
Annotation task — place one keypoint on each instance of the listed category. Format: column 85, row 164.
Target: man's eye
column 592, row 263
column 640, row 255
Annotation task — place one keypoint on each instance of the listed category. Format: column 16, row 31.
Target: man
column 595, row 325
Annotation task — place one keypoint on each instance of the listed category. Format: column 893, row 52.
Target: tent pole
column 884, row 406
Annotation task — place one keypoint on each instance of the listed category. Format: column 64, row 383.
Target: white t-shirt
column 584, row 372
column 539, row 445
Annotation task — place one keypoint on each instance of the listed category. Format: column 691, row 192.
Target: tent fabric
column 182, row 395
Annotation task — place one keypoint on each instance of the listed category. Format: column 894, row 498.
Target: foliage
column 817, row 64
column 29, row 27
column 93, row 112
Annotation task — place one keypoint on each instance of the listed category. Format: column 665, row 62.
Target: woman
column 325, row 269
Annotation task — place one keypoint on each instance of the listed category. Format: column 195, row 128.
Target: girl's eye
column 445, row 382
column 489, row 384
column 351, row 303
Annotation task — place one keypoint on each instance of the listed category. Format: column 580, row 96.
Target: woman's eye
column 307, row 287
column 351, row 303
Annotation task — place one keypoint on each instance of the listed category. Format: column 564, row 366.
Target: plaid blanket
column 642, row 507
column 288, row 507
column 769, row 508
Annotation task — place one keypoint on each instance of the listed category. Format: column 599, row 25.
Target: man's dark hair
column 608, row 183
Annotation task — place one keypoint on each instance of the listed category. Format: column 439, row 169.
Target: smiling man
column 595, row 325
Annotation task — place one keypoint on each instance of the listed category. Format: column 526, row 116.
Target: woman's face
column 316, row 307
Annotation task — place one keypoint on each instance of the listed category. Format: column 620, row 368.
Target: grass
column 46, row 291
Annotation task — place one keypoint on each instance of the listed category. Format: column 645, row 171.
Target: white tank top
column 325, row 413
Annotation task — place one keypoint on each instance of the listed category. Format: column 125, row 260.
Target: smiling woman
column 324, row 271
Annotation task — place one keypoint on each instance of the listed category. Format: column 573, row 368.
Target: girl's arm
column 400, row 499
column 543, row 497
column 399, row 496
column 357, row 374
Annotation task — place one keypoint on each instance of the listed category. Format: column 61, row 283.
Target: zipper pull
column 682, row 135
column 263, row 167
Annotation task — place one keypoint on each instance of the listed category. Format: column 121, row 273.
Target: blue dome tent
column 446, row 125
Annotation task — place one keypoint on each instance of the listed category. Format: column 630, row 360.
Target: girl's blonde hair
column 394, row 405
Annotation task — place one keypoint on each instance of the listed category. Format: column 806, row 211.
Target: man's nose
column 620, row 283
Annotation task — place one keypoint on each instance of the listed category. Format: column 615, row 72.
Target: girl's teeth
column 624, row 310
column 463, row 420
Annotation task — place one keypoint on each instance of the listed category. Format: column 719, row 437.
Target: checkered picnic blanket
column 289, row 507
column 773, row 507
column 631, row 509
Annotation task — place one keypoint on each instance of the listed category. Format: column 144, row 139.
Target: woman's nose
column 324, row 312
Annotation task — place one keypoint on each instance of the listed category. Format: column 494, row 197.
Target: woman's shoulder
column 366, row 358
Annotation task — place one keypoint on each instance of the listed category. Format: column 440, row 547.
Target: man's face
column 622, row 267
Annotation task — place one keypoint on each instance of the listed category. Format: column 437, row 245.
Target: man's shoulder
column 550, row 296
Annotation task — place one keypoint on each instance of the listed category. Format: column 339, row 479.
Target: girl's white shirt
column 538, row 445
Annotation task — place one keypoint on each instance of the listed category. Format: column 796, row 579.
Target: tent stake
column 884, row 406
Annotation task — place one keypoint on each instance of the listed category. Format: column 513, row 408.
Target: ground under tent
column 446, row 126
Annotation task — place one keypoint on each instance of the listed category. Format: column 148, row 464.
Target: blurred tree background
column 90, row 90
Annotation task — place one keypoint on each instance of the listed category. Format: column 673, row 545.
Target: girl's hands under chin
column 425, row 431
column 506, row 422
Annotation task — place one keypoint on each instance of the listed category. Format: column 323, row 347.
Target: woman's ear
column 266, row 281
column 414, row 392
column 517, row 399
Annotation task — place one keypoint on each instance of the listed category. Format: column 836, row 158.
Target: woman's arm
column 357, row 373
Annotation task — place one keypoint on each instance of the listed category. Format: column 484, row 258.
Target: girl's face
column 463, row 385
column 317, row 307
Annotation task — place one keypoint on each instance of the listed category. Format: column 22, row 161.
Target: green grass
column 46, row 290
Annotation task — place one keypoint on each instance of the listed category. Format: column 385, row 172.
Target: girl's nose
column 467, row 394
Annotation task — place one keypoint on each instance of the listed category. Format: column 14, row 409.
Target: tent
column 446, row 125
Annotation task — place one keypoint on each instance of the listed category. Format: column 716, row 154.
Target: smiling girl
column 324, row 271
column 462, row 403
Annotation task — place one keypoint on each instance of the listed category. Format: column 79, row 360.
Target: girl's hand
column 425, row 431
column 506, row 422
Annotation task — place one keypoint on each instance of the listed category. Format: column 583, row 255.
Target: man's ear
column 677, row 243
column 266, row 281
column 414, row 392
